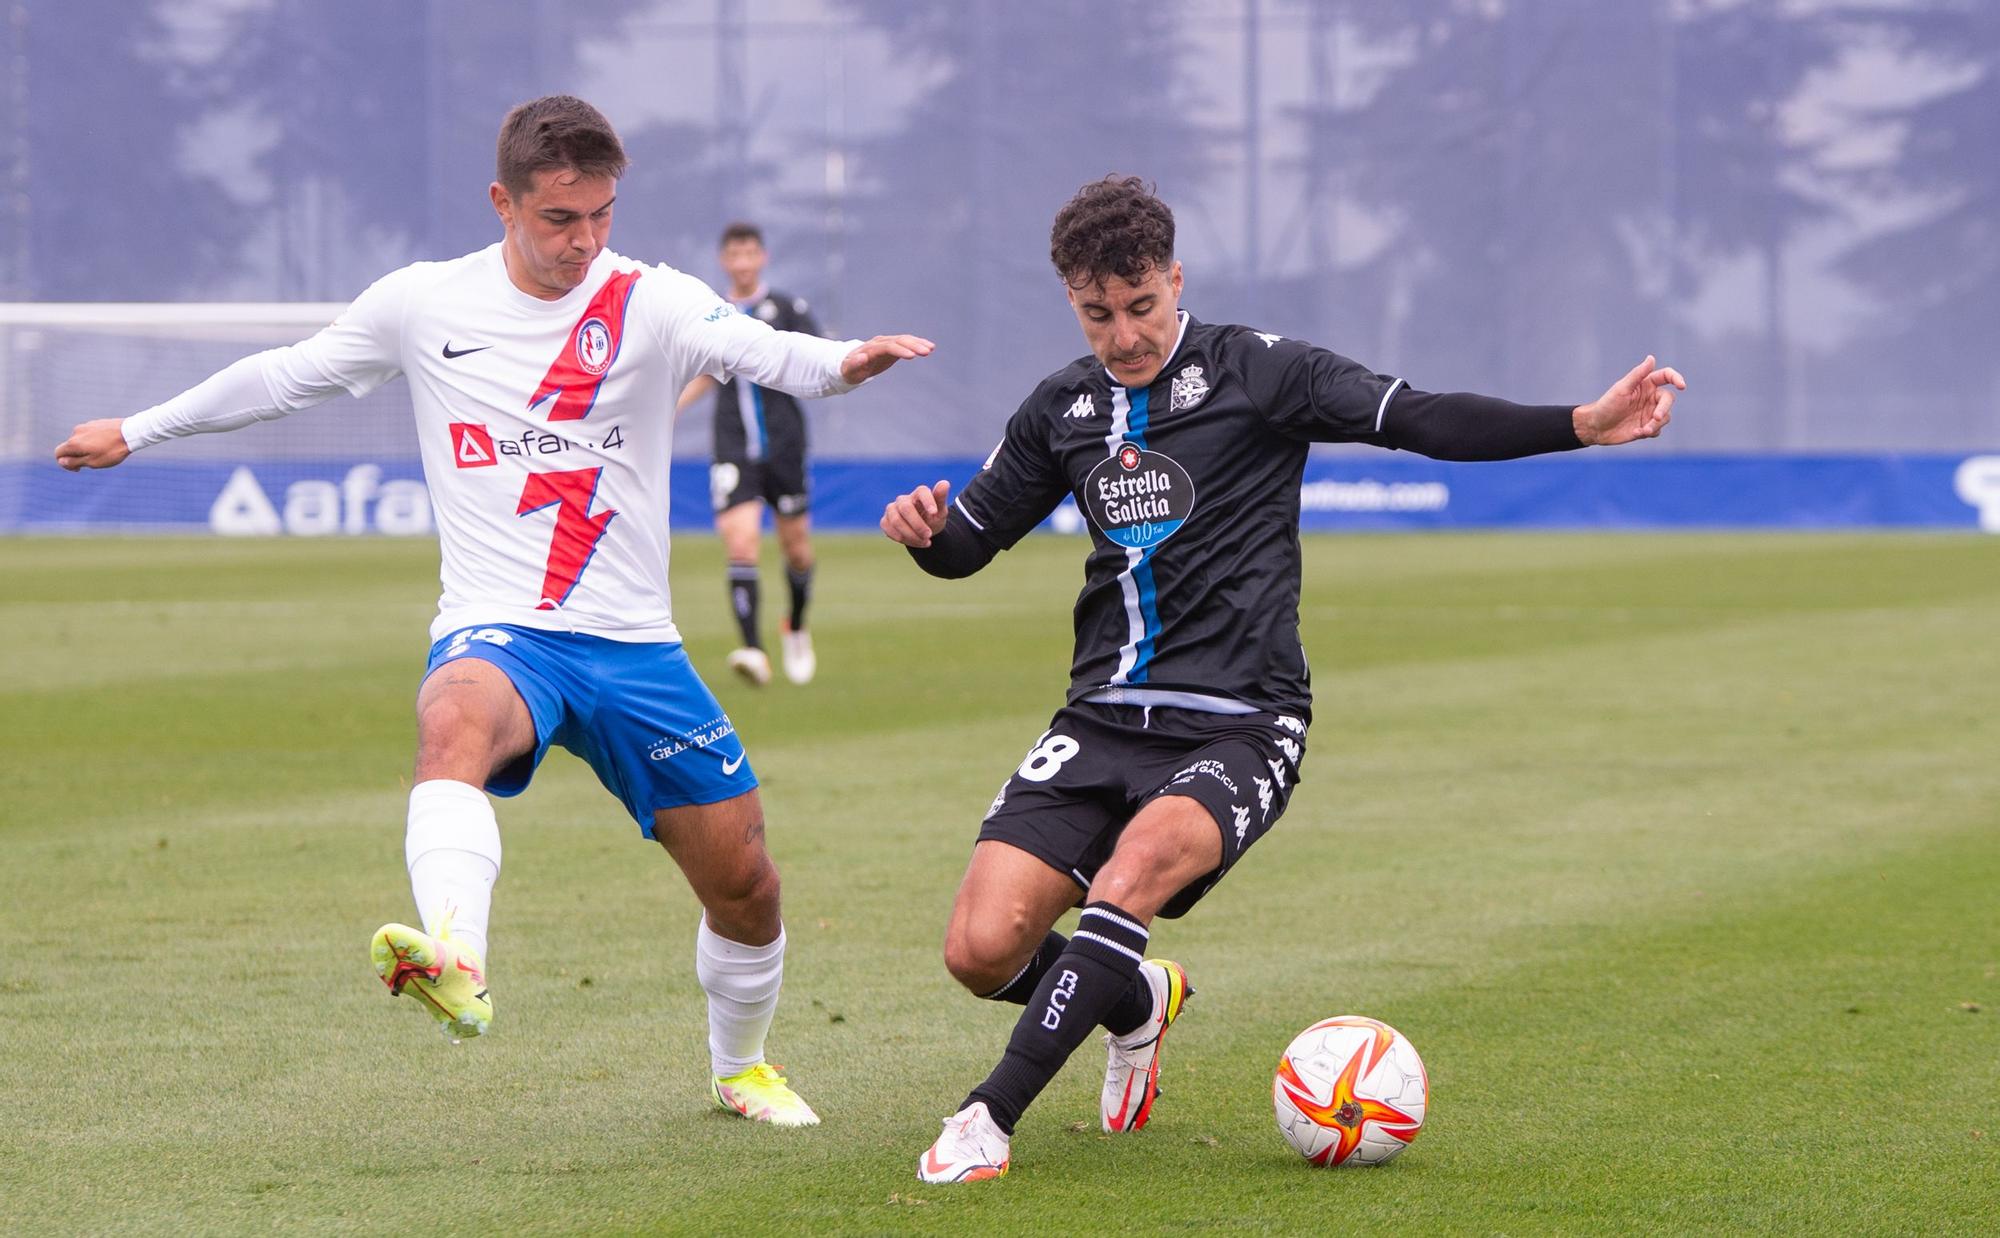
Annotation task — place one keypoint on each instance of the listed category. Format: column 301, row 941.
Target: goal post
column 348, row 466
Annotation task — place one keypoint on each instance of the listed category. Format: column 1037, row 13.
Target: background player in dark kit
column 760, row 458
column 1184, row 444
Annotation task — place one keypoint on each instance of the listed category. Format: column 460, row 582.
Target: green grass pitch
column 1677, row 857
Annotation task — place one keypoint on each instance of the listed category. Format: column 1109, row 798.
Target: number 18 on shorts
column 1097, row 765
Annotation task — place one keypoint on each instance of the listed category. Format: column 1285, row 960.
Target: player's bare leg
column 470, row 723
column 1099, row 976
column 740, row 527
column 795, row 540
column 1006, row 904
column 1169, row 845
column 739, row 949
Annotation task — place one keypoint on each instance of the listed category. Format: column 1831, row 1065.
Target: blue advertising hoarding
column 1339, row 492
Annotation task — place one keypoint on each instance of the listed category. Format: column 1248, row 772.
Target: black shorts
column 1098, row 765
column 781, row 481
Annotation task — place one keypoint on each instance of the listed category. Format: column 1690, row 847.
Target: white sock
column 453, row 850
column 742, row 984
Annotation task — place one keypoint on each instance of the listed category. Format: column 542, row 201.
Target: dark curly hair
column 1116, row 226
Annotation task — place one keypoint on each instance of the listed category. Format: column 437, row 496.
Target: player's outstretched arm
column 96, row 444
column 942, row 543
column 1636, row 406
column 913, row 519
column 878, row 354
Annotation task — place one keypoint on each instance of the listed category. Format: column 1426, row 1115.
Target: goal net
column 347, row 466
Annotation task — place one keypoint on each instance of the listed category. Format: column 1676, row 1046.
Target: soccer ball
column 1350, row 1091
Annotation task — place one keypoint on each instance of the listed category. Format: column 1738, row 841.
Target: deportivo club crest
column 1189, row 389
column 593, row 346
column 1139, row 498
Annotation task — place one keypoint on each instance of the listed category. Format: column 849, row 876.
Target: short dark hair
column 1116, row 226
column 556, row 131
column 742, row 231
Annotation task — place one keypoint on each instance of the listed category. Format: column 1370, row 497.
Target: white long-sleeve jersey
column 546, row 427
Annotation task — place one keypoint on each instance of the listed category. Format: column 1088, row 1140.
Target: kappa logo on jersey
column 1278, row 772
column 1291, row 724
column 1138, row 498
column 578, row 373
column 1083, row 407
column 1268, row 338
column 1242, row 816
column 472, row 445
column 1263, row 795
column 1290, row 747
column 1189, row 389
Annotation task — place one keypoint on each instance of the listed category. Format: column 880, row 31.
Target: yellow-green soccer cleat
column 762, row 1095
column 448, row 979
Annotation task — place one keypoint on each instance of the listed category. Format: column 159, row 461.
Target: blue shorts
column 638, row 713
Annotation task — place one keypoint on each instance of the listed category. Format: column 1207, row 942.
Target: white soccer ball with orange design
column 1350, row 1090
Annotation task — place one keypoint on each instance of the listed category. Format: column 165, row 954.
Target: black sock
column 743, row 600
column 1086, row 980
column 802, row 583
column 1134, row 1008
column 1029, row 978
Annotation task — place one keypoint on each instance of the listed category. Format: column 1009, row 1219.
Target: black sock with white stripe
column 1084, row 983
column 743, row 600
column 1023, row 985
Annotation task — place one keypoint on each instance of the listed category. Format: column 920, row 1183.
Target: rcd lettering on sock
column 1059, row 1000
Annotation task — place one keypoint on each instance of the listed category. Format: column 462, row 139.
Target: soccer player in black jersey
column 760, row 457
column 1182, row 738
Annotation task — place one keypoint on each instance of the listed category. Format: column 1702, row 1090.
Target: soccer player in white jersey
column 543, row 370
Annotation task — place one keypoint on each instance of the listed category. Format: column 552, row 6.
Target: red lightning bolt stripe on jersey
column 578, row 371
column 546, row 427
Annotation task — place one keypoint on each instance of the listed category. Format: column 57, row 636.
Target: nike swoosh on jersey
column 730, row 767
column 451, row 353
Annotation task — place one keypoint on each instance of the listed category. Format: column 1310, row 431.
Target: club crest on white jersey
column 593, row 346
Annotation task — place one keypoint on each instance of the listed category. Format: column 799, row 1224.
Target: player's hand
column 880, row 353
column 1637, row 406
column 914, row 518
column 94, row 445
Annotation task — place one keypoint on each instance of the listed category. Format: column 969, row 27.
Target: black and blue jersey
column 1190, row 489
column 752, row 423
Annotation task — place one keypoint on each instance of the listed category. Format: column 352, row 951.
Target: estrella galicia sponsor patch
column 1139, row 498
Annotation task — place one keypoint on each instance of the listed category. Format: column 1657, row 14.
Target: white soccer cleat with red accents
column 1132, row 1074
column 971, row 1149
column 751, row 664
column 800, row 661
